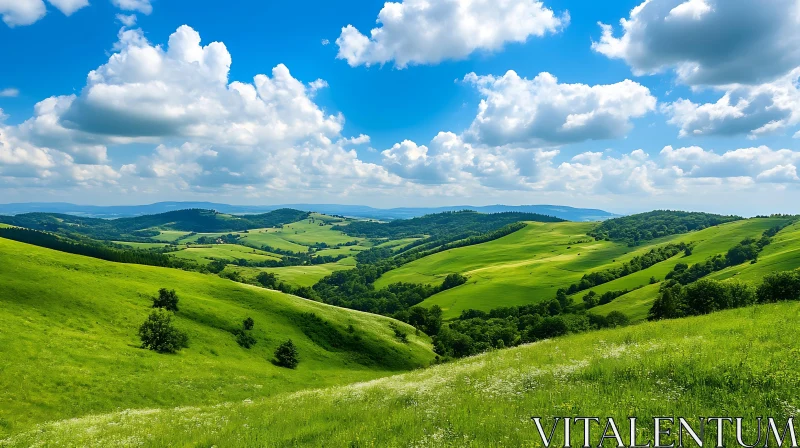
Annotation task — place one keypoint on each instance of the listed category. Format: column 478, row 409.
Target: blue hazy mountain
column 356, row 211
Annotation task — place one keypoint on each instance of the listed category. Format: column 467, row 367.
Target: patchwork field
column 70, row 348
column 744, row 361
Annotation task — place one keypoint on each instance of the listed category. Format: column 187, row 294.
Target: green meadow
column 306, row 275
column 530, row 265
column 69, row 344
column 743, row 362
column 228, row 252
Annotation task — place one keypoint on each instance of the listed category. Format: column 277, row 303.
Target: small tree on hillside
column 286, row 355
column 248, row 323
column 167, row 299
column 158, row 334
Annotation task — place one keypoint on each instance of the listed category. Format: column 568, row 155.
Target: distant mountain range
column 355, row 211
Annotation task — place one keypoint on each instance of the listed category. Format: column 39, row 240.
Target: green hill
column 69, row 345
column 742, row 362
column 530, row 265
column 194, row 220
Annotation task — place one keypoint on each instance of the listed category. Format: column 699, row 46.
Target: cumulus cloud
column 743, row 41
column 541, row 110
column 23, row 164
column 9, row 93
column 142, row 6
column 266, row 135
column 449, row 160
column 27, row 12
column 428, row 32
column 127, row 20
column 743, row 109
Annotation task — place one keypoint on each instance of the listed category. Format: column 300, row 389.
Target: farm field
column 654, row 369
column 170, row 236
column 229, row 252
column 73, row 350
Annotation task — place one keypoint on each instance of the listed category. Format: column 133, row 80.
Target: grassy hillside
column 297, row 276
column 69, row 345
column 524, row 267
column 742, row 362
column 530, row 265
column 707, row 243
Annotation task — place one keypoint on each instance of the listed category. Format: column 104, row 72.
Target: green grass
column 270, row 237
column 743, row 362
column 397, row 244
column 530, row 265
column 344, row 250
column 307, row 233
column 524, row 267
column 170, row 236
column 227, row 252
column 781, row 255
column 309, row 275
column 141, row 245
column 69, row 345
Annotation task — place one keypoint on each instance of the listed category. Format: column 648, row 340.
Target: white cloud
column 27, row 12
column 753, row 110
column 325, row 42
column 22, row 12
column 428, row 32
column 743, row 41
column 143, row 6
column 127, row 20
column 23, row 164
column 68, row 7
column 543, row 111
column 266, row 136
column 9, row 93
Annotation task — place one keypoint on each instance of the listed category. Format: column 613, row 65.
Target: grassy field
column 170, row 236
column 141, row 245
column 296, row 275
column 530, row 265
column 227, row 252
column 743, row 362
column 69, row 345
column 524, row 267
column 780, row 255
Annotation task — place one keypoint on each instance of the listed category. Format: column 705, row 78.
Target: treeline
column 440, row 225
column 706, row 296
column 636, row 264
column 140, row 228
column 747, row 250
column 95, row 249
column 478, row 331
column 635, row 229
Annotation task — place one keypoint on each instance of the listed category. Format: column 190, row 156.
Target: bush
column 248, row 323
column 617, row 319
column 779, row 286
column 158, row 334
column 286, row 355
column 244, row 339
column 167, row 299
column 453, row 280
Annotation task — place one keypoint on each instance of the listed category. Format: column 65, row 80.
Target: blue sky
column 173, row 127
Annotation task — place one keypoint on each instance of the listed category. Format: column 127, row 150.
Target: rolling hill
column 69, row 345
column 742, row 362
column 530, row 265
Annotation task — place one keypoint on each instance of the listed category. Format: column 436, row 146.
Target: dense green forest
column 139, row 228
column 451, row 225
column 642, row 227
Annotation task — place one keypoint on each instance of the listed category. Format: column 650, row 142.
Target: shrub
column 617, row 319
column 167, row 299
column 779, row 286
column 286, row 355
column 244, row 339
column 248, row 323
column 399, row 333
column 158, row 334
column 453, row 280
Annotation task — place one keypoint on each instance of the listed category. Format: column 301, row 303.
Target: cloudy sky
column 624, row 105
